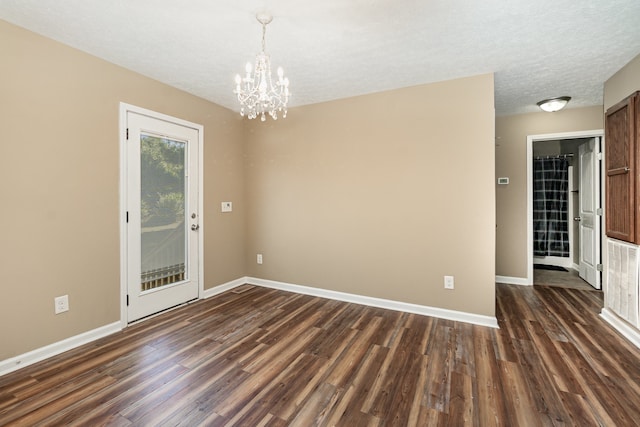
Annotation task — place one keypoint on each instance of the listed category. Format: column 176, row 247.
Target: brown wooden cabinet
column 622, row 146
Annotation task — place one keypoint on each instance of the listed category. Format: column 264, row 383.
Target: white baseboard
column 522, row 281
column 208, row 293
column 628, row 331
column 458, row 316
column 576, row 267
column 26, row 359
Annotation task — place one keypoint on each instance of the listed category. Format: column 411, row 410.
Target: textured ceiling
column 334, row 49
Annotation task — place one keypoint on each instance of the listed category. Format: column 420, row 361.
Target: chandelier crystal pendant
column 256, row 92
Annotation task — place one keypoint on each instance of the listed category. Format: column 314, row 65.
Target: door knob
column 577, row 218
column 195, row 227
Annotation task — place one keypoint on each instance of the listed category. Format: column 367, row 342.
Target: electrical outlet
column 448, row 282
column 61, row 304
column 259, row 259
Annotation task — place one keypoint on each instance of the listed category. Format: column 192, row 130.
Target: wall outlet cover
column 61, row 304
column 448, row 282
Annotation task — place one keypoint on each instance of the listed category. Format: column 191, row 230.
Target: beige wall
column 59, row 172
column 511, row 161
column 623, row 83
column 380, row 195
column 368, row 195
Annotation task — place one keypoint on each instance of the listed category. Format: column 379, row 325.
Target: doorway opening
column 564, row 208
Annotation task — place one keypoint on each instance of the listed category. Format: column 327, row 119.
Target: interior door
column 162, row 214
column 589, row 206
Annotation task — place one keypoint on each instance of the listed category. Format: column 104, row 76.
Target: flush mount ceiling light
column 554, row 104
column 256, row 92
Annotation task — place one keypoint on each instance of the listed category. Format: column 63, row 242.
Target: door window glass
column 162, row 211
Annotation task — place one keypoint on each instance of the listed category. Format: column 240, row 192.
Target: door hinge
column 599, row 156
column 599, row 211
column 127, row 134
column 599, row 267
column 127, row 300
column 127, row 217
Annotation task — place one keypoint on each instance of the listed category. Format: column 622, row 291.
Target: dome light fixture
column 554, row 104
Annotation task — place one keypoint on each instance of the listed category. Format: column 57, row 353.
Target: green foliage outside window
column 163, row 182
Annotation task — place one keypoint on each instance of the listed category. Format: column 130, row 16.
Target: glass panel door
column 162, row 204
column 162, row 211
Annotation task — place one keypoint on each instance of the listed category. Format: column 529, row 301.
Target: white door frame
column 124, row 109
column 551, row 137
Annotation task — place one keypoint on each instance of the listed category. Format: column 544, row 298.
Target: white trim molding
column 39, row 354
column 522, row 281
column 211, row 292
column 626, row 330
column 458, row 316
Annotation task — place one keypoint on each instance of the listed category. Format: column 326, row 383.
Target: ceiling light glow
column 554, row 104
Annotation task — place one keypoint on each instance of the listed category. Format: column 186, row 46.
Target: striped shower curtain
column 550, row 222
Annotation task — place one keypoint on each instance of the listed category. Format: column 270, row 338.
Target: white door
column 162, row 228
column 589, row 205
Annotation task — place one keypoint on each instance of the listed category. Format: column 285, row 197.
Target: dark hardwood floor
column 265, row 357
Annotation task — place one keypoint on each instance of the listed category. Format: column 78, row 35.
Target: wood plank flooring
column 264, row 357
column 563, row 279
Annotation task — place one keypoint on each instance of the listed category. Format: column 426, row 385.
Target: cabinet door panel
column 621, row 171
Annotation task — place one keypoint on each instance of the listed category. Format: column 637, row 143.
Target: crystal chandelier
column 256, row 92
